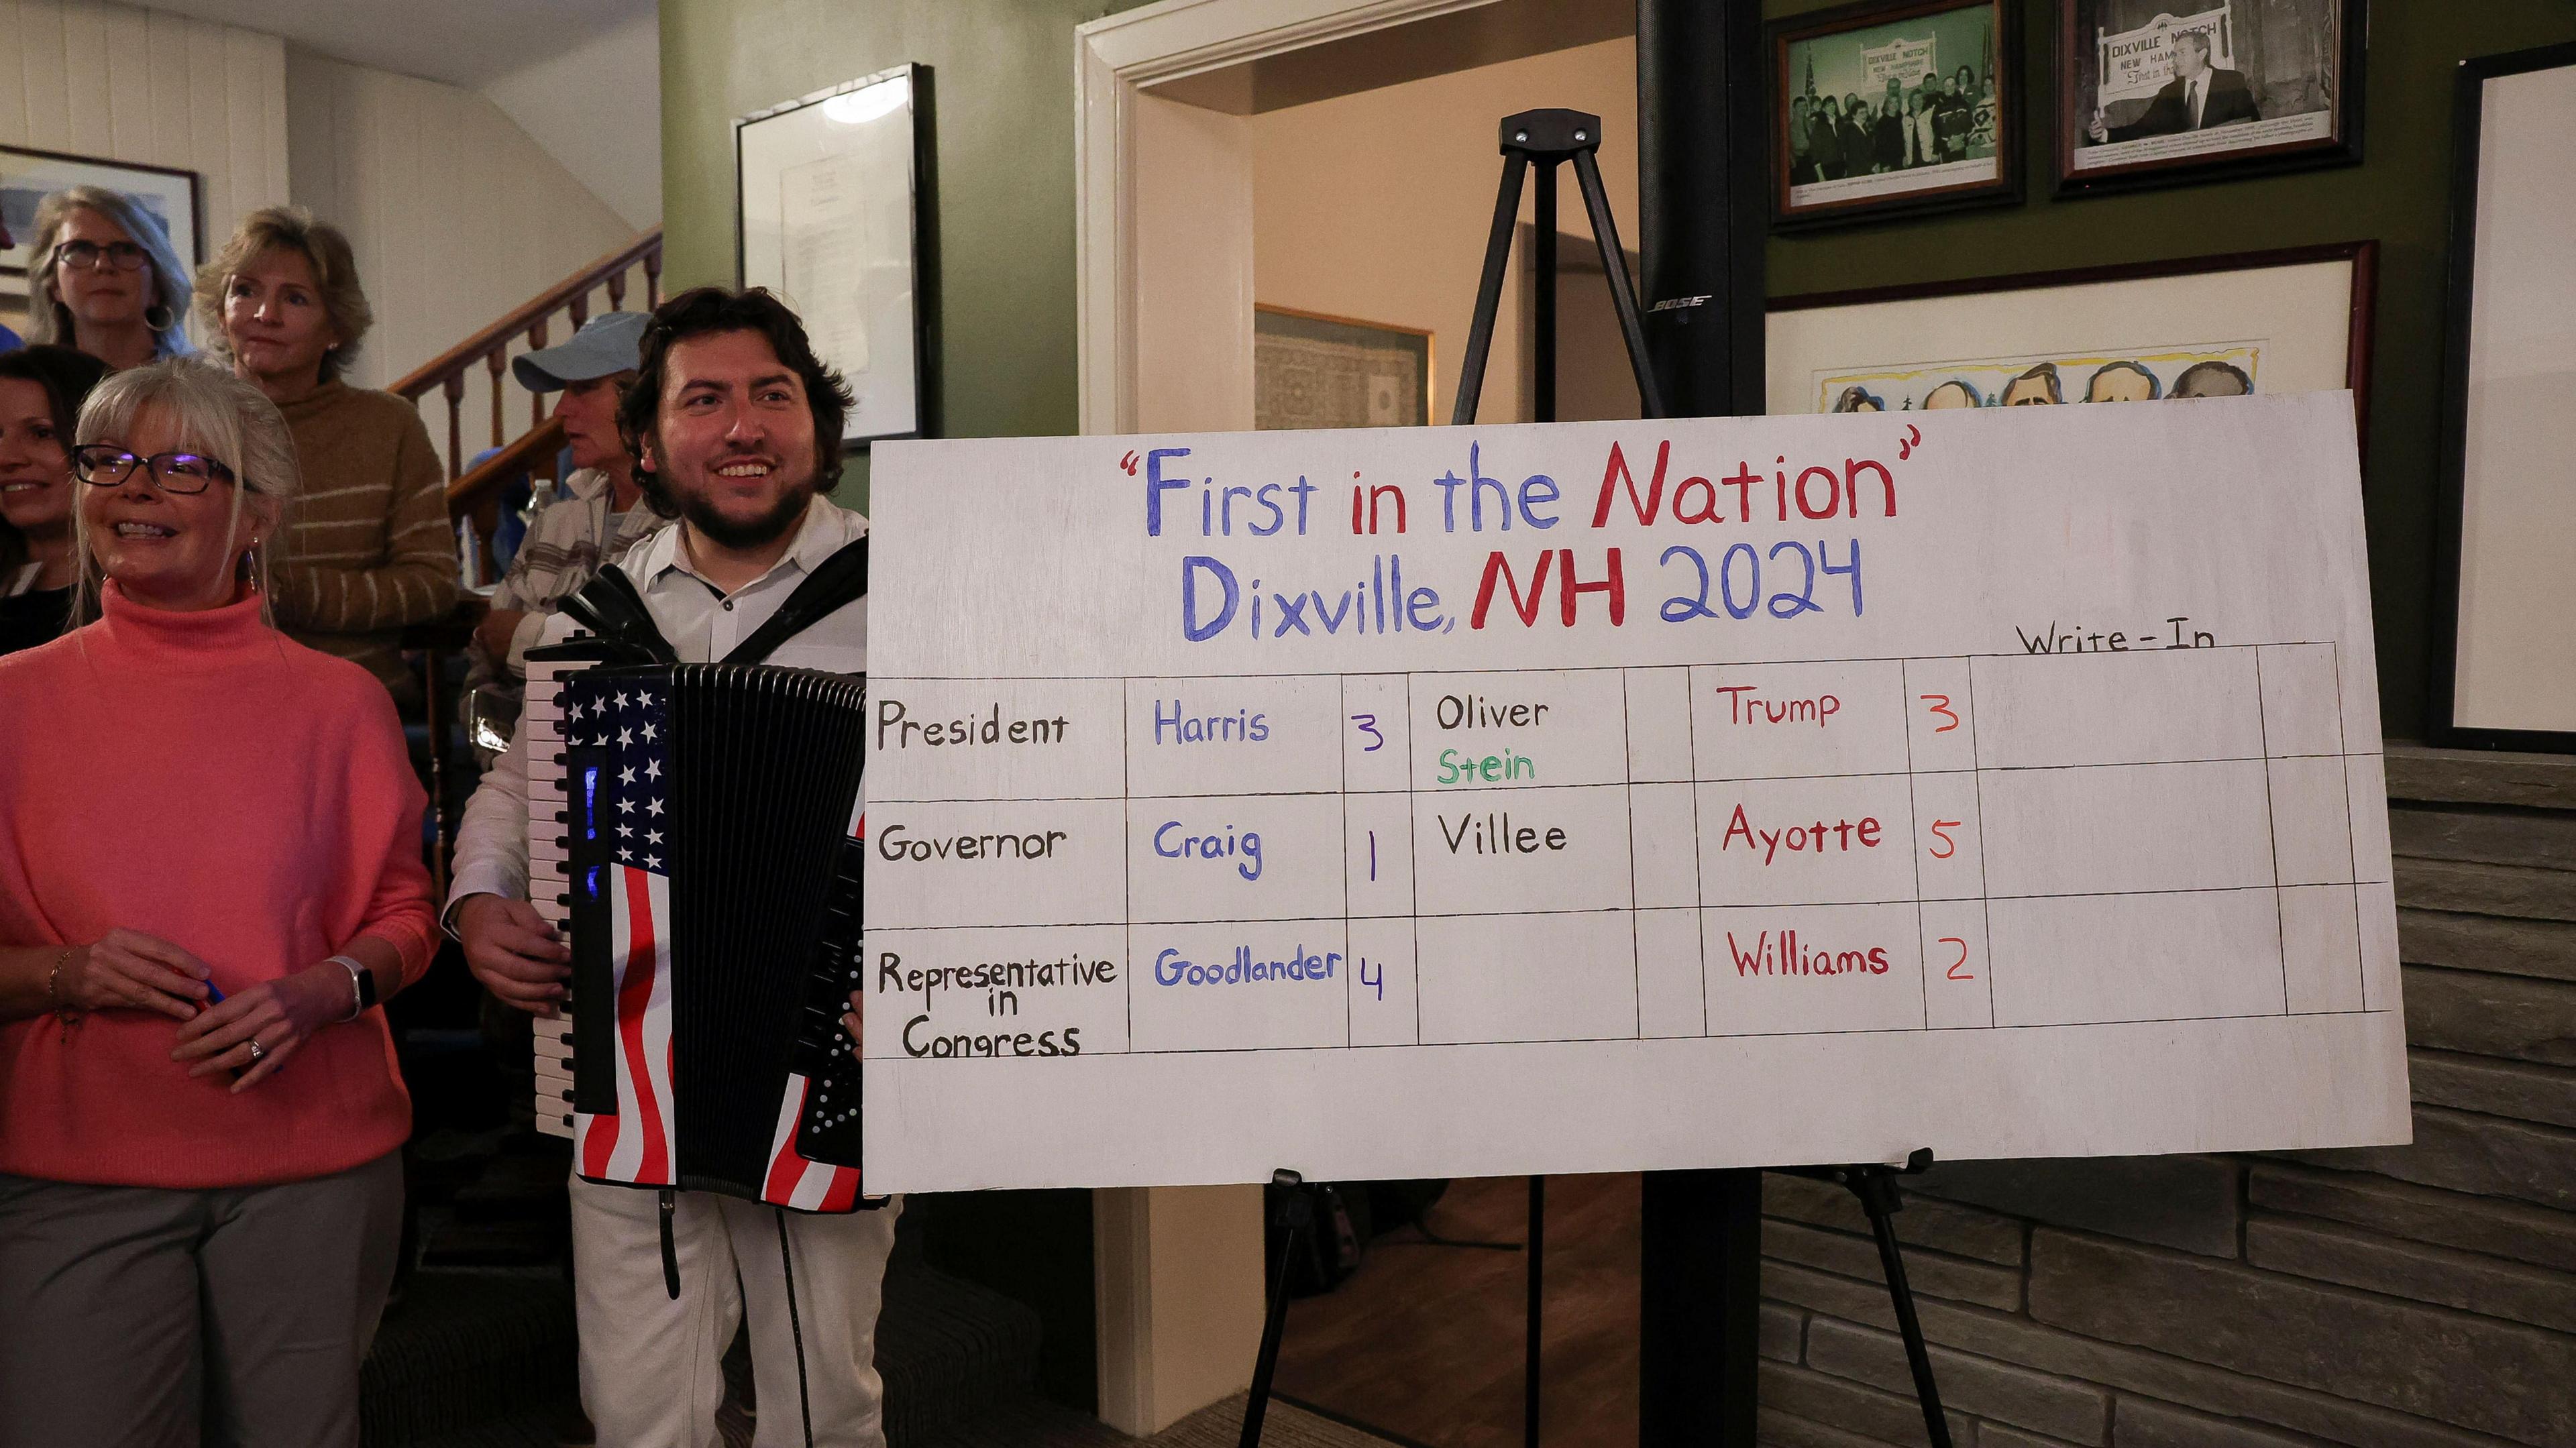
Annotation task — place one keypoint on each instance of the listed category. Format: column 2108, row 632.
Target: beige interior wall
column 1375, row 206
column 126, row 84
column 456, row 216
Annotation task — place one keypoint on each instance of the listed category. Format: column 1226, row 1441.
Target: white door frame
column 1115, row 58
column 1164, row 331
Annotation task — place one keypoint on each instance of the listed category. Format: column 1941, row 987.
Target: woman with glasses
column 41, row 390
column 369, row 551
column 106, row 279
column 210, row 873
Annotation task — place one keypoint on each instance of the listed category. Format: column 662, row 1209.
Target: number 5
column 1368, row 726
column 1948, row 846
column 1955, row 973
column 1941, row 705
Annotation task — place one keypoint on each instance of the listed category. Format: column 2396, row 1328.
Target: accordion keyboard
column 825, row 1054
column 549, row 888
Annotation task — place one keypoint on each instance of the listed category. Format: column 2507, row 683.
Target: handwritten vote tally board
column 1602, row 796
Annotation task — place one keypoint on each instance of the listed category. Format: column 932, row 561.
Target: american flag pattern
column 627, row 790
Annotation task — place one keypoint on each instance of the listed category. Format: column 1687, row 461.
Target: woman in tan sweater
column 366, row 549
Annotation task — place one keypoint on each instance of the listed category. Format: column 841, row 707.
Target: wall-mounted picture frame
column 1311, row 370
column 1894, row 108
column 832, row 199
column 2165, row 92
column 2504, row 666
column 2293, row 320
column 169, row 195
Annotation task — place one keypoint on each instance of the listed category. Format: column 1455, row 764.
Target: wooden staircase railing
column 529, row 324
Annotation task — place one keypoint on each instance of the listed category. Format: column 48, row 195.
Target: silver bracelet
column 357, row 993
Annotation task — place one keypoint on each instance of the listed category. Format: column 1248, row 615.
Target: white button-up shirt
column 703, row 624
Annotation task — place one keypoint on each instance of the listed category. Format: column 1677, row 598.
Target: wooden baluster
column 653, row 277
column 453, row 384
column 536, row 400
column 617, row 292
column 580, row 309
column 492, row 364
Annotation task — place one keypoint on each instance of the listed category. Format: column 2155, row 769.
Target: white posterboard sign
column 1611, row 796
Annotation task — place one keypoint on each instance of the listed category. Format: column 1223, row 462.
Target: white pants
column 650, row 1375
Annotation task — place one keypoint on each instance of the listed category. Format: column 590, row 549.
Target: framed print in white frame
column 831, row 191
column 2504, row 667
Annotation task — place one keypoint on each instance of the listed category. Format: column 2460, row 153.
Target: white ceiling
column 465, row 43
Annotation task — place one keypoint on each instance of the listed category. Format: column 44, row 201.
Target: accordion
column 703, row 820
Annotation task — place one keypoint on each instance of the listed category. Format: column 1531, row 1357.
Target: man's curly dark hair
column 699, row 312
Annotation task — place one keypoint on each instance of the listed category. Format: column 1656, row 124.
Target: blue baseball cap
column 606, row 345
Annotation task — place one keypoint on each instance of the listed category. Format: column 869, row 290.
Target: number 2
column 1368, row 726
column 1955, row 972
column 1941, row 705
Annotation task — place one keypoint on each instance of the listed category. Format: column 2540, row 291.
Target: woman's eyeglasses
column 88, row 255
column 106, row 465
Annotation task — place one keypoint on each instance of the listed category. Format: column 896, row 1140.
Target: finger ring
column 258, row 1052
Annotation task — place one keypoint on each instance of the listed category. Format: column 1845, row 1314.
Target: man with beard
column 735, row 426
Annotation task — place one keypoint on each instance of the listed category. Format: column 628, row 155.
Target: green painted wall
column 2399, row 194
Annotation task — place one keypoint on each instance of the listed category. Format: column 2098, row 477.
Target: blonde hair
column 214, row 413
column 335, row 273
column 48, row 320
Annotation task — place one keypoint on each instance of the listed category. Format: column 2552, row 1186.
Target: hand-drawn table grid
column 1745, row 849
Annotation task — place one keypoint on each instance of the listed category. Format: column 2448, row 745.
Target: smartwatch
column 363, row 981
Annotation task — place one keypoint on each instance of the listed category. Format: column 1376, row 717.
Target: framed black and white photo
column 166, row 194
column 1894, row 108
column 831, row 197
column 2158, row 92
column 2504, row 671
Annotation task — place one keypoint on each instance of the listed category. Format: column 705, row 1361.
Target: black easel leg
column 1876, row 1188
column 1489, row 289
column 1531, row 1340
column 1288, row 1210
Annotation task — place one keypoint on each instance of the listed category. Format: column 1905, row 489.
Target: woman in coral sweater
column 209, row 873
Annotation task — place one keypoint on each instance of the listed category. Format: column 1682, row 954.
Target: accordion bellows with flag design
column 710, row 846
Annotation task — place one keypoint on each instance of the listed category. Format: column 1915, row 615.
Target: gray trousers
column 136, row 1315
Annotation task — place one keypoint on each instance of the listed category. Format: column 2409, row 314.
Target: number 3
column 1368, row 726
column 1941, row 705
column 1955, row 972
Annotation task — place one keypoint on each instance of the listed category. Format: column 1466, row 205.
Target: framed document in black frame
column 2504, row 670
column 1894, row 108
column 2165, row 92
column 832, row 192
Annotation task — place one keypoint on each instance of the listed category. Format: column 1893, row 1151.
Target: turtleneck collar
column 170, row 638
column 317, row 400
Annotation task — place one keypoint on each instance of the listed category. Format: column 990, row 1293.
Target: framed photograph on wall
column 166, row 194
column 2296, row 320
column 832, row 189
column 1894, row 108
column 1312, row 370
column 2159, row 92
column 2504, row 668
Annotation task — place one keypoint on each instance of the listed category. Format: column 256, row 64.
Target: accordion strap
column 842, row 578
column 609, row 606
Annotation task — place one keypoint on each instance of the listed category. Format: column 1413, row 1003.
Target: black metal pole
column 1530, row 1352
column 1289, row 1212
column 1876, row 1188
column 1703, row 216
column 1543, row 319
column 1489, row 289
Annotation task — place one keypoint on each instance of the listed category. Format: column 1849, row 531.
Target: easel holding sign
column 1547, row 139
